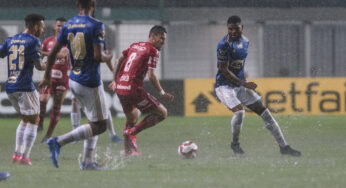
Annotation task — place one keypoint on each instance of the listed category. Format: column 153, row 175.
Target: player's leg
column 44, row 97
column 274, row 128
column 29, row 137
column 27, row 104
column 58, row 99
column 154, row 117
column 110, row 128
column 132, row 114
column 93, row 100
column 14, row 99
column 75, row 113
column 19, row 142
column 155, row 110
column 228, row 96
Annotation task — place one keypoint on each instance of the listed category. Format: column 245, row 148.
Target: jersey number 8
column 129, row 62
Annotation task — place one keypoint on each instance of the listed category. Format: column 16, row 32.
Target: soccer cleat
column 54, row 149
column 130, row 143
column 287, row 150
column 132, row 153
column 89, row 166
column 25, row 161
column 238, row 152
column 4, row 175
column 16, row 157
column 116, row 139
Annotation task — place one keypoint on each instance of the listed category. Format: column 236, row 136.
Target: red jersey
column 61, row 66
column 139, row 57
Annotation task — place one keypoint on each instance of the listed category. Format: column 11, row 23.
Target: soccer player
column 235, row 92
column 23, row 51
column 76, row 107
column 59, row 86
column 84, row 37
column 131, row 68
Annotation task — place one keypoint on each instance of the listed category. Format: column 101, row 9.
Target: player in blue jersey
column 84, row 37
column 235, row 92
column 24, row 52
column 76, row 107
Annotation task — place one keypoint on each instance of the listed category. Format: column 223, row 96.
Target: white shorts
column 92, row 100
column 25, row 103
column 233, row 96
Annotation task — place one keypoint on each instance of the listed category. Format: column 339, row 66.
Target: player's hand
column 250, row 85
column 107, row 56
column 44, row 84
column 62, row 53
column 112, row 86
column 168, row 97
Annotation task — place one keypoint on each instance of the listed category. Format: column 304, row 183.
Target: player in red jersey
column 137, row 61
column 59, row 86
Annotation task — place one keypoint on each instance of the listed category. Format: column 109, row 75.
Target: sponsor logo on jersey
column 140, row 48
column 125, row 78
column 123, row 87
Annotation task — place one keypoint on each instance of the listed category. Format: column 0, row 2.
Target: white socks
column 81, row 132
column 89, row 148
column 236, row 124
column 273, row 127
column 75, row 114
column 75, row 119
column 110, row 127
column 19, row 137
column 29, row 138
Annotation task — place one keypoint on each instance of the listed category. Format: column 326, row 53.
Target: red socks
column 147, row 122
column 54, row 118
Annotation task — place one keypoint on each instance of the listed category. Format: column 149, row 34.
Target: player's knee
column 99, row 127
column 75, row 106
column 164, row 113
column 240, row 114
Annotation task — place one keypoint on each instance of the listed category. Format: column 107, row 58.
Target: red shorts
column 56, row 86
column 140, row 99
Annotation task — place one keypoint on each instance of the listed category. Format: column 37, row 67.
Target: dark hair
column 84, row 3
column 33, row 19
column 157, row 29
column 62, row 19
column 234, row 19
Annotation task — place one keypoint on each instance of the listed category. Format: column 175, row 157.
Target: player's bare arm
column 223, row 66
column 156, row 83
column 44, row 53
column 110, row 65
column 101, row 55
column 62, row 53
column 39, row 65
column 113, row 85
column 50, row 62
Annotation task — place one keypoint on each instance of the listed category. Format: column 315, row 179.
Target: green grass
column 322, row 139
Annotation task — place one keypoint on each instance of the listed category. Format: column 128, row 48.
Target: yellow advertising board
column 314, row 96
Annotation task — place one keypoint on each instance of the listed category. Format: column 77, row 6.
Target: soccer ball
column 188, row 150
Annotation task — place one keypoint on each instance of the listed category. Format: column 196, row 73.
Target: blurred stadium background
column 300, row 38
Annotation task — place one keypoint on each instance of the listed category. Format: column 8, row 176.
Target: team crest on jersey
column 102, row 34
column 240, row 45
column 222, row 52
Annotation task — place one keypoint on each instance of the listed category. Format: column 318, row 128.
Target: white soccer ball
column 188, row 150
